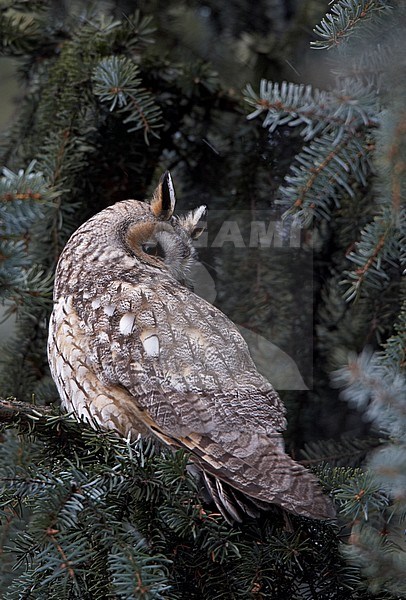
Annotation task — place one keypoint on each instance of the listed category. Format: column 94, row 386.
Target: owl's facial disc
column 164, row 245
column 141, row 240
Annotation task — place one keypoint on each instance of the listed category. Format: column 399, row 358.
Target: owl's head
column 135, row 237
column 161, row 239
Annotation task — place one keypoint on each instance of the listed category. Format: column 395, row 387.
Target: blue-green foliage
column 353, row 156
column 94, row 516
column 117, row 83
column 345, row 19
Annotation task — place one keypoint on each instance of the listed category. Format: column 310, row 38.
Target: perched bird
column 134, row 349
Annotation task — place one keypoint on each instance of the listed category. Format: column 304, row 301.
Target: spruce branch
column 336, row 156
column 321, row 173
column 116, row 81
column 360, row 497
column 135, row 31
column 381, row 554
column 77, row 518
column 20, row 286
column 348, row 108
column 25, row 199
column 28, row 201
column 345, row 18
column 346, row 451
column 14, row 411
column 376, row 389
column 376, row 386
column 378, row 250
column 394, row 353
column 132, row 33
column 22, row 199
column 136, row 574
column 19, row 33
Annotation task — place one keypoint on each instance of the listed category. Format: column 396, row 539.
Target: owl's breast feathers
column 145, row 356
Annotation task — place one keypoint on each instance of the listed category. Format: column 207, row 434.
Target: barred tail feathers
column 245, row 484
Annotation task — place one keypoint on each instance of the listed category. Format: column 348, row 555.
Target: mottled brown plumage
column 134, row 349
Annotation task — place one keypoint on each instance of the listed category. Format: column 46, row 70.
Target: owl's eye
column 153, row 249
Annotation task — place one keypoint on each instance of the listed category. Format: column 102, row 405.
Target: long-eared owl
column 134, row 349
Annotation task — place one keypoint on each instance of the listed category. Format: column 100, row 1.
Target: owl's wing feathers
column 187, row 366
column 183, row 361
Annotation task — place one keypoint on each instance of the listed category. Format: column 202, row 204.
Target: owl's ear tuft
column 164, row 200
column 191, row 222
